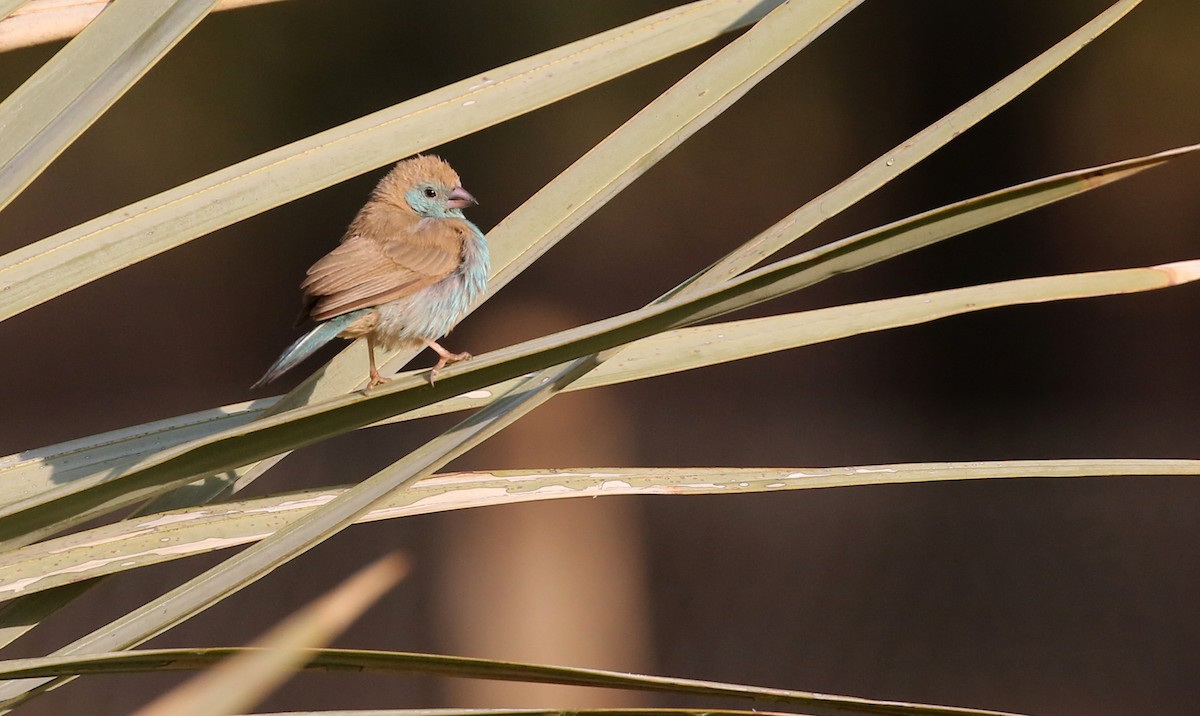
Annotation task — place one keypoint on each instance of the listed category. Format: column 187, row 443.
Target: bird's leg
column 376, row 378
column 445, row 357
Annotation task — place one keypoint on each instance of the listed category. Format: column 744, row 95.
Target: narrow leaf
column 153, row 539
column 33, row 471
column 43, row 21
column 250, row 675
column 797, row 23
column 60, row 263
column 41, row 511
column 435, row 664
column 606, row 169
column 907, row 154
column 70, row 92
column 69, row 504
column 524, row 233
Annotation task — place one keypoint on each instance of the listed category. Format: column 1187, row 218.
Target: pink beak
column 460, row 198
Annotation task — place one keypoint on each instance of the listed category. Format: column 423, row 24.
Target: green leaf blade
column 912, row 151
column 153, row 539
column 50, row 110
column 72, row 258
column 27, row 473
column 68, row 504
column 436, row 664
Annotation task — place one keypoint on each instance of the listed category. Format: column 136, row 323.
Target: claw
column 445, row 358
column 376, row 379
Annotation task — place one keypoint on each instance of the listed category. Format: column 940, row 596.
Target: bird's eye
column 430, row 192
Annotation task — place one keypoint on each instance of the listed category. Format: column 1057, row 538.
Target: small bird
column 407, row 269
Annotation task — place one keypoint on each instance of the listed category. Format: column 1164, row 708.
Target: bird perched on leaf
column 406, row 271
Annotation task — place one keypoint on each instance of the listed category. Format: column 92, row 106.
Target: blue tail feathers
column 308, row 344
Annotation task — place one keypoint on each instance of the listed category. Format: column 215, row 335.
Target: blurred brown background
column 1040, row 596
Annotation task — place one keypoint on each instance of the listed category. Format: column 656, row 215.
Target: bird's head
column 428, row 186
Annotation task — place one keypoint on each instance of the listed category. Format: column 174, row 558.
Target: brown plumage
column 407, row 268
column 370, row 268
column 382, row 257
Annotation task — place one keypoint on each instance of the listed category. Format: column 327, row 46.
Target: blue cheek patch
column 432, row 208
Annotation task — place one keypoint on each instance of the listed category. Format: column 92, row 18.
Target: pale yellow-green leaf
column 21, row 615
column 609, row 167
column 907, row 154
column 70, row 92
column 344, row 372
column 587, row 185
column 246, row 678
column 437, row 664
column 782, row 32
column 69, row 259
column 28, row 473
column 63, row 505
column 549, row 381
column 42, row 21
column 152, row 539
column 635, row 158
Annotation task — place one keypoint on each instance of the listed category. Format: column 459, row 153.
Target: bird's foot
column 376, row 380
column 445, row 358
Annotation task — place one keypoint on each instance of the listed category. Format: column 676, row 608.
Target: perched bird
column 405, row 272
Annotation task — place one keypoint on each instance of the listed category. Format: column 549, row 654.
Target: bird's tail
column 308, row 344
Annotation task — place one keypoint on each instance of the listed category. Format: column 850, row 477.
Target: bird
column 406, row 271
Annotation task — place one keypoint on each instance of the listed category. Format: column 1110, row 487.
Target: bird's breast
column 433, row 311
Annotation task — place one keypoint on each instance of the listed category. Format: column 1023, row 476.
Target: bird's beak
column 460, row 198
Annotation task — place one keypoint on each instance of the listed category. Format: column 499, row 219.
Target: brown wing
column 365, row 271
